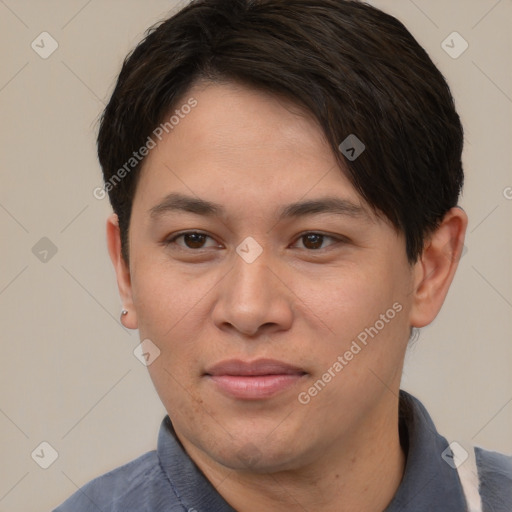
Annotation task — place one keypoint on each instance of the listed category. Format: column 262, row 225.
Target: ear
column 434, row 270
column 122, row 271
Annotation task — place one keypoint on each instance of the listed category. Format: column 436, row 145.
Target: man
column 284, row 177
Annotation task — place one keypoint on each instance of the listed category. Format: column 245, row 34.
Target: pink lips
column 255, row 380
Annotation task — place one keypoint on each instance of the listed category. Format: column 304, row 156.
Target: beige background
column 67, row 372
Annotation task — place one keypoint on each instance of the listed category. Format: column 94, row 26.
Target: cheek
column 363, row 314
column 348, row 299
column 367, row 337
column 166, row 297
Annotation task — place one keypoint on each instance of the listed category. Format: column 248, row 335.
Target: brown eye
column 194, row 240
column 190, row 240
column 314, row 241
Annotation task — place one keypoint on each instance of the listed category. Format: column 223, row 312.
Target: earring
column 124, row 312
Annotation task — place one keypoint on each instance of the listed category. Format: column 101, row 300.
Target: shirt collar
column 429, row 483
column 192, row 488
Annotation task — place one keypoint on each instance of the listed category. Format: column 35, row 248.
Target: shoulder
column 133, row 486
column 495, row 476
column 494, row 462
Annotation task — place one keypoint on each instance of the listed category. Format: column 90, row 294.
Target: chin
column 256, row 455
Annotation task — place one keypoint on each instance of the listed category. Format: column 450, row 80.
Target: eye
column 195, row 240
column 314, row 241
column 191, row 240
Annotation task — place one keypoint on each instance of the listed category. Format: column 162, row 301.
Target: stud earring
column 124, row 312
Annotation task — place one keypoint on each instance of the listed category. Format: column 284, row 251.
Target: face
column 279, row 302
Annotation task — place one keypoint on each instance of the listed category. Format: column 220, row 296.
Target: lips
column 254, row 380
column 258, row 367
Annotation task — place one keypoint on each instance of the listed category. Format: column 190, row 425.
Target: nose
column 253, row 299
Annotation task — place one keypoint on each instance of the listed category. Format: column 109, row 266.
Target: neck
column 360, row 471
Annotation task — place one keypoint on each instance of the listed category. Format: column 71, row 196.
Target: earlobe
column 435, row 269
column 122, row 270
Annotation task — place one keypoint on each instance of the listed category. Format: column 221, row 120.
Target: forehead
column 234, row 121
column 243, row 147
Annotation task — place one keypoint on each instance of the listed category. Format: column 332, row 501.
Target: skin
column 200, row 304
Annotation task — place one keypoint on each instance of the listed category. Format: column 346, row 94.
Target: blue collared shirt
column 167, row 480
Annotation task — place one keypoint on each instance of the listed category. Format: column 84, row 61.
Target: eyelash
column 173, row 239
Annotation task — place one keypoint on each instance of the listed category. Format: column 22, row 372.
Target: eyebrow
column 176, row 202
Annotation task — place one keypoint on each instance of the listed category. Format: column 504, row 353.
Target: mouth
column 254, row 380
